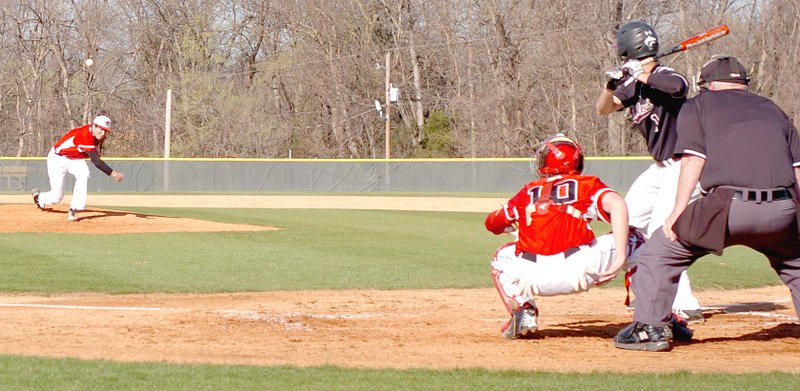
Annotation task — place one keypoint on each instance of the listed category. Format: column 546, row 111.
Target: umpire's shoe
column 640, row 336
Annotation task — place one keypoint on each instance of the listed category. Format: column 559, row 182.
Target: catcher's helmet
column 560, row 155
column 636, row 40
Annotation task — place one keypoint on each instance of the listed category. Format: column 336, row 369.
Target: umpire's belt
column 762, row 195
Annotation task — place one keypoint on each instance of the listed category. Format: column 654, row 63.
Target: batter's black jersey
column 746, row 140
column 654, row 107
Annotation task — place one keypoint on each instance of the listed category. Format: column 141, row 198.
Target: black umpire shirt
column 742, row 137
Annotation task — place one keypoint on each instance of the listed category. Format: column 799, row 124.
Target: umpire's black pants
column 767, row 227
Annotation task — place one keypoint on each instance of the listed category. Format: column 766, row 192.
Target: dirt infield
column 25, row 218
column 752, row 330
column 747, row 331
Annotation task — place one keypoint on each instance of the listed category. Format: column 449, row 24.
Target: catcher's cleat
column 35, row 194
column 640, row 336
column 72, row 215
column 523, row 322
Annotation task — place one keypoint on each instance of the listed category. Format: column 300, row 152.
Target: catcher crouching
column 555, row 251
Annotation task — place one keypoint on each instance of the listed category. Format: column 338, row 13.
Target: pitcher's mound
column 28, row 218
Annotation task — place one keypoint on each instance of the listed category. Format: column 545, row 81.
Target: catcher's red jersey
column 553, row 214
column 76, row 142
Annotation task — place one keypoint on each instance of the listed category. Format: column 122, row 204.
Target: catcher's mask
column 560, row 155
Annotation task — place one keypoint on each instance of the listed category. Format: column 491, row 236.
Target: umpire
column 745, row 153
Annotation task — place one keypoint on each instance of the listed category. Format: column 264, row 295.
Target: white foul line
column 242, row 313
column 765, row 315
column 258, row 316
column 89, row 307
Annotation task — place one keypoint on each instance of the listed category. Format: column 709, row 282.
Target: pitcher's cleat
column 35, row 194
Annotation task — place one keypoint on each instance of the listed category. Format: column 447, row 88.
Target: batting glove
column 614, row 78
column 633, row 68
column 615, row 73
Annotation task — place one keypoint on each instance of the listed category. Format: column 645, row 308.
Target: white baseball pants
column 650, row 201
column 553, row 274
column 57, row 169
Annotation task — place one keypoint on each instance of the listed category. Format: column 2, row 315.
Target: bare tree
column 32, row 24
column 269, row 78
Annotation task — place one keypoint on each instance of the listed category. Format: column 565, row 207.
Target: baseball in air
column 89, row 62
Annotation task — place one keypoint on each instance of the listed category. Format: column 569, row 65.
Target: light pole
column 167, row 137
column 388, row 110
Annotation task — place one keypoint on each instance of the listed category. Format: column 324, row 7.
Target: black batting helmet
column 636, row 40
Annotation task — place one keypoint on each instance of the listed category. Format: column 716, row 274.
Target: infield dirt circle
column 753, row 330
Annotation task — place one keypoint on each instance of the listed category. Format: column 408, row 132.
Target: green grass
column 25, row 373
column 738, row 268
column 315, row 249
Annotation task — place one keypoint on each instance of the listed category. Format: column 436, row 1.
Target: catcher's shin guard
column 510, row 329
column 524, row 317
column 510, row 303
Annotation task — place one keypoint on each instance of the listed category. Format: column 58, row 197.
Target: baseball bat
column 699, row 39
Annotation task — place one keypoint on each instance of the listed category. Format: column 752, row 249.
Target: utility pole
column 167, row 137
column 388, row 111
column 168, row 124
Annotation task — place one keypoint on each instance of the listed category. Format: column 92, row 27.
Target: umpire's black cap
column 724, row 68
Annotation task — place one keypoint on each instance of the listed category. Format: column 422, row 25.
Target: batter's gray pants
column 767, row 227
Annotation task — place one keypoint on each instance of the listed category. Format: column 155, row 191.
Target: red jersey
column 76, row 143
column 553, row 214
